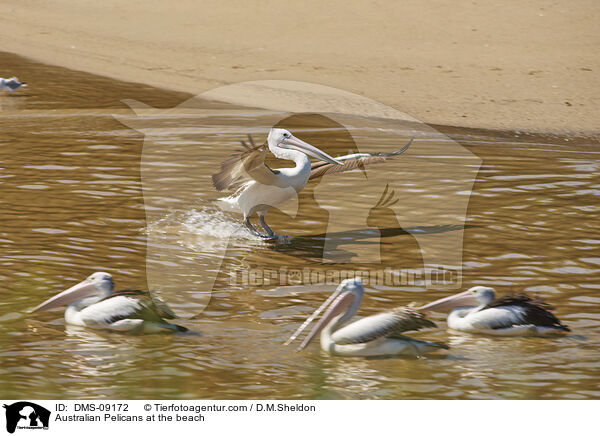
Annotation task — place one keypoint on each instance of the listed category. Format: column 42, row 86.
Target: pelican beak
column 77, row 292
column 465, row 298
column 304, row 147
column 338, row 302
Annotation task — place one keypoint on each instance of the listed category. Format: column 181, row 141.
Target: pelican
column 511, row 315
column 93, row 303
column 376, row 335
column 11, row 84
column 257, row 188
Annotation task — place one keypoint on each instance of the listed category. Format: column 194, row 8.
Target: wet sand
column 508, row 66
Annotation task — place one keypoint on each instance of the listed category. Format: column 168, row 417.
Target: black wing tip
column 429, row 323
column 181, row 328
column 520, row 299
column 402, row 150
column 441, row 345
column 131, row 292
column 538, row 311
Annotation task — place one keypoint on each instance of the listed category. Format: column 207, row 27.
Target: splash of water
column 206, row 229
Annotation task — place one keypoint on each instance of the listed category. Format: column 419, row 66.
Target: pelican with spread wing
column 257, row 188
column 375, row 335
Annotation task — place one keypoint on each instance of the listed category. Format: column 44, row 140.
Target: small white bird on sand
column 11, row 84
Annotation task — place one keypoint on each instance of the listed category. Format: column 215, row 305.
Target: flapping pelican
column 11, row 84
column 93, row 303
column 258, row 187
column 511, row 315
column 376, row 335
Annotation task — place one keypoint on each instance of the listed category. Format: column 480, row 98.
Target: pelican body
column 477, row 310
column 258, row 188
column 376, row 335
column 93, row 303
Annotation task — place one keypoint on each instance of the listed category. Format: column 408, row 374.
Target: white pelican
column 92, row 303
column 376, row 335
column 511, row 315
column 258, row 187
column 11, row 84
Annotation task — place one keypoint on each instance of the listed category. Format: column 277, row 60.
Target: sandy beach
column 510, row 65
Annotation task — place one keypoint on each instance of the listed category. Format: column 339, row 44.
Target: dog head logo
column 26, row 415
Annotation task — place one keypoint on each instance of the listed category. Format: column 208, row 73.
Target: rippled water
column 83, row 191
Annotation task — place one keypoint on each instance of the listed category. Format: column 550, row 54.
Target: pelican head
column 475, row 296
column 283, row 139
column 96, row 287
column 345, row 301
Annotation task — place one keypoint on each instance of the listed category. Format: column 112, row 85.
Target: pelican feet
column 269, row 236
column 264, row 225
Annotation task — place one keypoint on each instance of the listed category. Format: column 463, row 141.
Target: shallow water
column 82, row 191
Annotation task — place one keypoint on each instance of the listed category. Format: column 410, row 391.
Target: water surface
column 75, row 185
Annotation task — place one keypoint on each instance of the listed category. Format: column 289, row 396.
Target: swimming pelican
column 11, row 84
column 511, row 315
column 258, row 187
column 93, row 303
column 376, row 335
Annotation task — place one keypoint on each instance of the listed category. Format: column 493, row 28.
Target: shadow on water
column 312, row 245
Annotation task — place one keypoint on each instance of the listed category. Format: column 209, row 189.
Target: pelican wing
column 352, row 161
column 390, row 324
column 127, row 304
column 520, row 309
column 244, row 167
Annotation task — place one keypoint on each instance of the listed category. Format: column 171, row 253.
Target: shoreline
column 473, row 70
column 164, row 99
column 170, row 99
